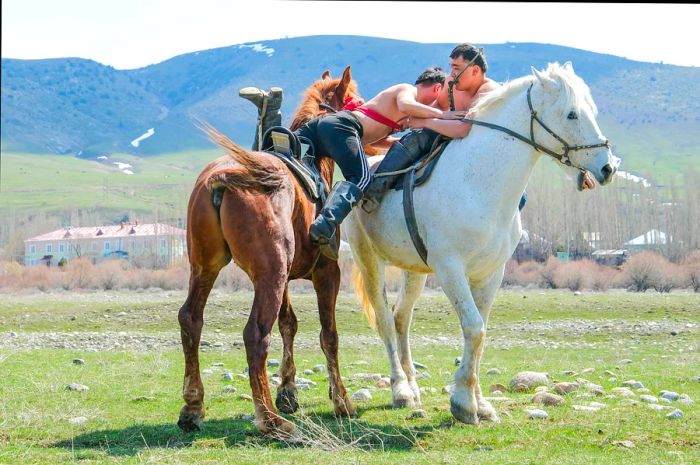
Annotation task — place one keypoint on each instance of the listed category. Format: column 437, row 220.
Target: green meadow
column 133, row 367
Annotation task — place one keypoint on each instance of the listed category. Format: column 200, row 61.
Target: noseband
column 561, row 157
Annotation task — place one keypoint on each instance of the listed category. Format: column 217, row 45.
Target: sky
column 129, row 34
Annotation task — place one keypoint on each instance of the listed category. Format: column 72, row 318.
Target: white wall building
column 154, row 244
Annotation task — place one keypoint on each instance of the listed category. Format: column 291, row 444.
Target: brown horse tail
column 359, row 285
column 253, row 174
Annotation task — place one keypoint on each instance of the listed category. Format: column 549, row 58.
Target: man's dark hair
column 468, row 52
column 432, row 75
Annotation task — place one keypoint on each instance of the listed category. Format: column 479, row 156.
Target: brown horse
column 262, row 223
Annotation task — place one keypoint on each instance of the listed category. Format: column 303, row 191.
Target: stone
column 299, row 380
column 230, row 389
column 449, row 389
column 497, row 387
column 587, row 371
column 528, row 379
column 649, row 399
column 625, row 361
column 565, row 388
column 632, row 384
column 458, row 361
column 547, row 398
column 143, row 399
column 245, row 397
column 670, row 395
column 625, row 444
column 362, row 394
column 320, row 368
column 77, row 387
column 493, row 371
column 308, row 372
column 384, row 382
column 78, row 361
column 77, row 420
column 541, row 389
column 536, row 413
column 585, row 408
column 675, row 414
column 228, row 376
column 685, row 399
column 272, row 363
column 420, row 366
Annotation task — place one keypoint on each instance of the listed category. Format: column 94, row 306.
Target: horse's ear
column 568, row 67
column 541, row 76
column 344, row 83
column 326, row 75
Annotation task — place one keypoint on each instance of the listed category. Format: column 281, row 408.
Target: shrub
column 109, row 275
column 548, row 273
column 78, row 274
column 647, row 270
column 575, row 275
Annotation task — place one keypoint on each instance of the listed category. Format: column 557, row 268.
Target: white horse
column 467, row 215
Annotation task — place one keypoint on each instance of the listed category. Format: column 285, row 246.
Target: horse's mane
column 576, row 92
column 321, row 91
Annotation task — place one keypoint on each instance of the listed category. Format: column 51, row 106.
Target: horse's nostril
column 607, row 170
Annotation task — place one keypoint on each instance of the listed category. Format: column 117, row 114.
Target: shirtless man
column 468, row 72
column 342, row 136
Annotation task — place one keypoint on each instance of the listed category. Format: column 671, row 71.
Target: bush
column 647, row 270
column 575, row 275
column 549, row 272
column 78, row 274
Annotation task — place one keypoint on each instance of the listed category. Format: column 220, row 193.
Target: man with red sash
column 342, row 136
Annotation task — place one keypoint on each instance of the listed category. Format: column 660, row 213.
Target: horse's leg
column 413, row 284
column 326, row 280
column 207, row 253
column 269, row 291
column 484, row 297
column 286, row 400
column 373, row 276
column 450, row 274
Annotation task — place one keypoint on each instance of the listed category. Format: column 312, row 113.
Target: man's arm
column 407, row 104
column 450, row 128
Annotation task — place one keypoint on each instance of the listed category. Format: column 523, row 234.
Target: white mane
column 575, row 92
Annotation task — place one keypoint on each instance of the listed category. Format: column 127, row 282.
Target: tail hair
column 361, row 294
column 251, row 174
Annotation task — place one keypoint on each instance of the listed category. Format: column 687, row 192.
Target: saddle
column 298, row 153
column 425, row 164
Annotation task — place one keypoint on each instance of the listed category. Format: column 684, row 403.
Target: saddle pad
column 308, row 176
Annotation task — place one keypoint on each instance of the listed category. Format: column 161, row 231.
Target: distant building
column 650, row 240
column 154, row 244
column 612, row 257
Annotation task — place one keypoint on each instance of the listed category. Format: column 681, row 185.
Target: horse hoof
column 286, row 401
column 460, row 414
column 404, row 401
column 190, row 422
column 276, row 427
column 345, row 408
column 488, row 414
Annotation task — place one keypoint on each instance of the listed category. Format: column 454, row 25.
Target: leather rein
column 561, row 157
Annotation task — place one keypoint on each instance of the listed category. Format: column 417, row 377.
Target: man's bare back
column 395, row 103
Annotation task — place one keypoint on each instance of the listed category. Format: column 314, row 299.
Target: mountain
column 81, row 107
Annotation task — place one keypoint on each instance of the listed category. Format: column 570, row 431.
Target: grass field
column 134, row 365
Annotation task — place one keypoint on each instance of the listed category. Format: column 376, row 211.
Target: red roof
column 112, row 230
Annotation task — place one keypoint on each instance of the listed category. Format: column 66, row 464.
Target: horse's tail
column 252, row 173
column 359, row 285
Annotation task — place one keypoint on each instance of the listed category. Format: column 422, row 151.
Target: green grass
column 56, row 183
column 36, row 408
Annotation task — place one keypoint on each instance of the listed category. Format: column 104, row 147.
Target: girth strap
column 409, row 213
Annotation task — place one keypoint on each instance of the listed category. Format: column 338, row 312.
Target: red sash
column 356, row 105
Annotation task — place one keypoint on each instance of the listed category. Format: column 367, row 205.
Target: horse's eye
column 572, row 115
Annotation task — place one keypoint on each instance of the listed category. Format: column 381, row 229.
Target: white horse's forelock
column 576, row 92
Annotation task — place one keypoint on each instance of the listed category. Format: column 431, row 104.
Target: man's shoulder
column 489, row 85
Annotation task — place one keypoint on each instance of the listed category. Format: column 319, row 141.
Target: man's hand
column 415, row 123
column 460, row 114
column 586, row 181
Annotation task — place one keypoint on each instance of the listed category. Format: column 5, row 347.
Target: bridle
column 560, row 157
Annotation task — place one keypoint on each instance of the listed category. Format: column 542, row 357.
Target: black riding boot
column 342, row 198
column 401, row 155
column 268, row 104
